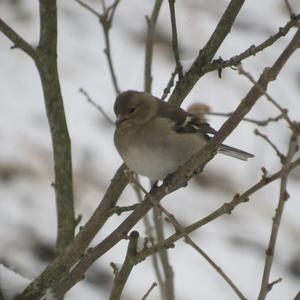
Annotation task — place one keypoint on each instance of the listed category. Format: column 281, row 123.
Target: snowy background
column 236, row 242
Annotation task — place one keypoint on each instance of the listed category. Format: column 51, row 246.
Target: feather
column 234, row 152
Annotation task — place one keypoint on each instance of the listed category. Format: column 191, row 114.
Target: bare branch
column 151, row 24
column 47, row 66
column 283, row 111
column 149, row 230
column 118, row 210
column 106, row 19
column 179, row 228
column 283, row 197
column 123, row 274
column 154, row 284
column 189, row 241
column 89, row 8
column 175, row 40
column 257, row 122
column 18, row 41
column 53, row 273
column 219, row 64
column 169, row 85
column 267, row 139
column 290, row 10
column 226, row 208
column 184, row 86
column 97, row 106
column 168, row 287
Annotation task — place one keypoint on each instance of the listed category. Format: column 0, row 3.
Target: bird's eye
column 132, row 110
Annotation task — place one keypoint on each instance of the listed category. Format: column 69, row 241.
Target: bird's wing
column 184, row 122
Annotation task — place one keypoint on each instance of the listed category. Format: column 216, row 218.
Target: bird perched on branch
column 154, row 138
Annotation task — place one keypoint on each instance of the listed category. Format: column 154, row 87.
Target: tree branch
column 266, row 138
column 175, row 39
column 47, row 66
column 283, row 197
column 151, row 23
column 154, row 284
column 106, row 19
column 226, row 208
column 252, row 50
column 18, row 41
column 123, row 274
column 149, row 229
column 168, row 286
column 184, row 86
column 55, row 270
column 97, row 106
column 283, row 111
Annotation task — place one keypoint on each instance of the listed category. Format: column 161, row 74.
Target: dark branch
column 47, row 66
column 123, row 274
column 252, row 50
column 18, row 41
column 283, row 197
column 175, row 39
column 97, row 106
column 151, row 23
column 184, row 86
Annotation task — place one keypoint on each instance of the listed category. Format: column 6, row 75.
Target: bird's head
column 134, row 108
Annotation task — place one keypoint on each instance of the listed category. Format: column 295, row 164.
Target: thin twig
column 151, row 24
column 283, row 197
column 89, row 8
column 271, row 284
column 291, row 11
column 175, row 39
column 123, row 274
column 226, row 208
column 179, row 228
column 118, row 210
column 106, row 19
column 149, row 233
column 169, row 85
column 154, row 284
column 168, row 287
column 219, row 64
column 267, row 139
column 18, row 41
column 206, row 54
column 257, row 122
column 289, row 7
column 97, row 106
column 283, row 111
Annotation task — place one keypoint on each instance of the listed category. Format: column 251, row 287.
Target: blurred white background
column 236, row 242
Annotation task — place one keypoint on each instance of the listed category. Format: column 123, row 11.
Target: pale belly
column 156, row 157
column 150, row 163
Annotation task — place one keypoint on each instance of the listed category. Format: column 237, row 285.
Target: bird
column 154, row 137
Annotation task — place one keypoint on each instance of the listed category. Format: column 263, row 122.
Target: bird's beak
column 121, row 119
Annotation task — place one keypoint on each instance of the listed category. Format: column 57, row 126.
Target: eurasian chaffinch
column 154, row 137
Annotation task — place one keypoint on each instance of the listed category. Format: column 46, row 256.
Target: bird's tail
column 234, row 152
